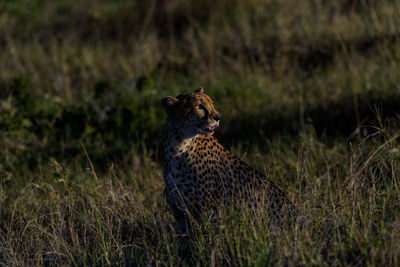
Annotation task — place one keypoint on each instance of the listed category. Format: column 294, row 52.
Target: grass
column 309, row 93
column 349, row 196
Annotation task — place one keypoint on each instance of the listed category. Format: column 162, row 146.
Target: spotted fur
column 200, row 175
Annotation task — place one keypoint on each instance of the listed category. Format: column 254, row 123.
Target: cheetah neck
column 176, row 146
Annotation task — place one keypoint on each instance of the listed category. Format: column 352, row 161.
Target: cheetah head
column 192, row 113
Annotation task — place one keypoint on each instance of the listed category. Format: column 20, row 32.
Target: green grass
column 309, row 93
column 349, row 197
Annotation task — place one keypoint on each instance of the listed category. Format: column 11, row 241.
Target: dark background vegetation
column 310, row 95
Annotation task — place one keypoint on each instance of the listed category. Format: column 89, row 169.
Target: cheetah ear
column 199, row 90
column 168, row 102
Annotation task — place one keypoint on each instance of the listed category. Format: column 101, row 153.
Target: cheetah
column 201, row 175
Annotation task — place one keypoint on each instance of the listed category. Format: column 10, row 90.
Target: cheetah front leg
column 178, row 206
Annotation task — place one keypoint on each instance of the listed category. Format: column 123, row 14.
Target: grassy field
column 310, row 96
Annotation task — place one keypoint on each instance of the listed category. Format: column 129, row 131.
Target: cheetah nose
column 217, row 117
